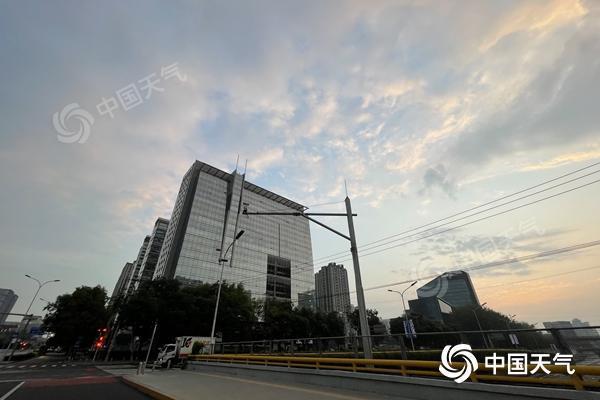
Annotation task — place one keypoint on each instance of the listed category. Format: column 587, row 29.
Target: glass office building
column 8, row 298
column 148, row 265
column 455, row 288
column 273, row 258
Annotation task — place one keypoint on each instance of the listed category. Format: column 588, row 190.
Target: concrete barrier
column 408, row 387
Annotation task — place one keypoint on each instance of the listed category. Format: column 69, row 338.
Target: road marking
column 53, row 365
column 64, row 365
column 33, row 366
column 7, row 395
column 22, row 366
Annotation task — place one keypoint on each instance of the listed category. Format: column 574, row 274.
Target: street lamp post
column 40, row 285
column 485, row 343
column 406, row 319
column 222, row 261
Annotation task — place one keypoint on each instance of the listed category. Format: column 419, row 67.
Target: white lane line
column 54, row 365
column 22, row 366
column 7, row 395
column 10, row 366
column 33, row 366
column 64, row 365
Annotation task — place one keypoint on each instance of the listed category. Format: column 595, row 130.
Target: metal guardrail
column 586, row 349
column 582, row 379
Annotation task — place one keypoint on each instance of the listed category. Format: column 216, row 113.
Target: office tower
column 137, row 267
column 455, row 288
column 8, row 298
column 273, row 258
column 331, row 289
column 122, row 282
column 148, row 265
column 431, row 308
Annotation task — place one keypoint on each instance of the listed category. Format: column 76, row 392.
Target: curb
column 154, row 393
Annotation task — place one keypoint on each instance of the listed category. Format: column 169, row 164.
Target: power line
column 477, row 220
column 528, row 257
column 474, row 208
column 449, row 229
column 518, row 282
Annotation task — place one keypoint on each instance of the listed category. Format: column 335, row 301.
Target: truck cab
column 168, row 352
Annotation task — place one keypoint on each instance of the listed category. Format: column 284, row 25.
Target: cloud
column 437, row 177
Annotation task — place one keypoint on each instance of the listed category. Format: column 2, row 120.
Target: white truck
column 181, row 349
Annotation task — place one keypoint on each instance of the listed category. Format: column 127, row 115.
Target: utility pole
column 362, row 310
column 360, row 295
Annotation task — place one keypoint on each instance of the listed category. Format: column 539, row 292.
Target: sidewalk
column 186, row 385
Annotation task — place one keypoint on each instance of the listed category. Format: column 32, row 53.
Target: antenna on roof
column 236, row 162
column 245, row 166
column 346, row 187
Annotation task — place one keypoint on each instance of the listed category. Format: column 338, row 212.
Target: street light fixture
column 40, row 285
column 406, row 319
column 222, row 261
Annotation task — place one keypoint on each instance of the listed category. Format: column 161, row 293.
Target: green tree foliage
column 463, row 318
column 372, row 319
column 281, row 321
column 188, row 311
column 75, row 318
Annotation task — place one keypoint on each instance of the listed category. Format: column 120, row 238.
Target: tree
column 188, row 310
column 372, row 319
column 75, row 318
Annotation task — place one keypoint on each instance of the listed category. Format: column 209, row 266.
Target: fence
column 584, row 377
column 583, row 343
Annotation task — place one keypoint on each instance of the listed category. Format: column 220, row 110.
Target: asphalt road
column 54, row 378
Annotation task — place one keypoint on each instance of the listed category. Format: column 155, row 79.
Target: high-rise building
column 331, row 289
column 273, row 258
column 8, row 298
column 137, row 267
column 148, row 264
column 122, row 282
column 455, row 288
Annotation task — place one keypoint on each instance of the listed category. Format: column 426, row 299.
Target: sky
column 423, row 108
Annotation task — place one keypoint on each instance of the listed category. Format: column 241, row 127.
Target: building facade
column 431, row 308
column 148, row 264
column 8, row 298
column 332, row 292
column 273, row 258
column 122, row 282
column 137, row 268
column 455, row 288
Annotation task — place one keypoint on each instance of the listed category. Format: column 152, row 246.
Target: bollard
column 169, row 364
column 139, row 369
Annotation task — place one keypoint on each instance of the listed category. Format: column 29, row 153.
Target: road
column 50, row 378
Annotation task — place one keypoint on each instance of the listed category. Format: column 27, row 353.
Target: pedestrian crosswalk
column 38, row 365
